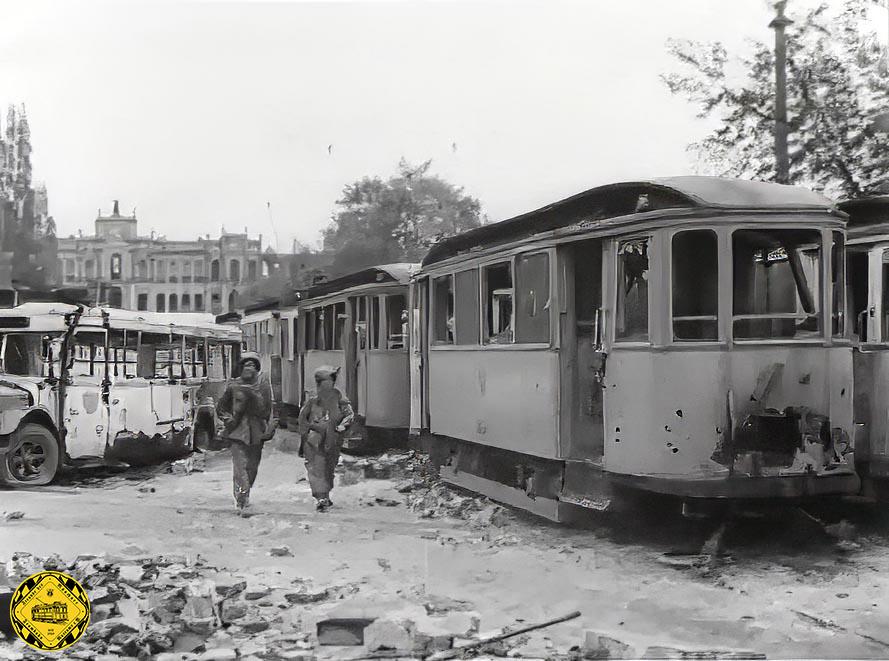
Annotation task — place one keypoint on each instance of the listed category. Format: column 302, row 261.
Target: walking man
column 322, row 421
column 245, row 409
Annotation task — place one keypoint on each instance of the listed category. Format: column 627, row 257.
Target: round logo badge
column 49, row 611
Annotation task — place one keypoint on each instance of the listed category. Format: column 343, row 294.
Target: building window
column 115, row 297
column 198, row 302
column 443, row 309
column 215, row 304
column 142, row 270
column 198, row 269
column 695, row 285
column 115, row 266
column 214, row 270
column 232, row 301
column 251, row 270
column 69, row 269
column 160, row 303
column 186, row 302
column 632, row 290
column 142, row 302
column 776, row 283
column 234, row 270
column 532, row 298
column 90, row 269
column 498, row 303
column 174, row 303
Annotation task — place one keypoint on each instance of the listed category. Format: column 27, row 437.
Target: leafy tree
column 837, row 80
column 379, row 222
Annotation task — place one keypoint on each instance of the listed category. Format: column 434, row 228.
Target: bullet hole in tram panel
column 843, row 392
column 617, row 430
column 667, row 428
column 679, row 412
column 669, row 445
column 675, row 450
column 617, row 440
column 719, row 430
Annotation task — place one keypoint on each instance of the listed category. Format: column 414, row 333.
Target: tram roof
column 864, row 211
column 50, row 316
column 399, row 273
column 600, row 204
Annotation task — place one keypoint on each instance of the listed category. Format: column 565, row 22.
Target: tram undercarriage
column 560, row 490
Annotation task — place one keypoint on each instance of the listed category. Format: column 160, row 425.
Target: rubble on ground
column 179, row 608
column 423, row 491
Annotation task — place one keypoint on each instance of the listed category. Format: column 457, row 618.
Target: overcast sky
column 200, row 113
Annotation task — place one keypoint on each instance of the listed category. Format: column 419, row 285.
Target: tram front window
column 695, row 285
column 776, row 284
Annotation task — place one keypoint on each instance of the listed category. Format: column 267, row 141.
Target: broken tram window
column 776, row 284
column 632, row 290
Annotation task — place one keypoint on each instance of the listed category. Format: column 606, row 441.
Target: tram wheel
column 32, row 458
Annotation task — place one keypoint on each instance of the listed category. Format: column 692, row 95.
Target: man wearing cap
column 322, row 420
column 245, row 409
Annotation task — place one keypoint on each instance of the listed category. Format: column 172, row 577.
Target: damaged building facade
column 121, row 268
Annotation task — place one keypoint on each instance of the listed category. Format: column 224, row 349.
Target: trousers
column 321, row 460
column 245, row 465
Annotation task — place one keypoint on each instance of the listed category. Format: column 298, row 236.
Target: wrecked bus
column 683, row 336
column 90, row 384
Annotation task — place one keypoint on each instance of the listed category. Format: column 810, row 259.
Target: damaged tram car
column 683, row 336
column 868, row 289
column 357, row 323
column 92, row 384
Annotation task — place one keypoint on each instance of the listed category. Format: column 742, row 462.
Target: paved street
column 373, row 553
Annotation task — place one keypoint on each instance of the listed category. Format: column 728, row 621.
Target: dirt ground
column 781, row 587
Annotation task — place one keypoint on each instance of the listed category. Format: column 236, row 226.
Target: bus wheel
column 32, row 458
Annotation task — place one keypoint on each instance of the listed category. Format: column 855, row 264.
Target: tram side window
column 498, row 303
column 695, row 285
column 374, row 321
column 443, row 309
column 857, row 274
column 361, row 323
column 885, row 298
column 532, row 298
column 285, row 339
column 776, row 283
column 838, row 284
column 339, row 325
column 396, row 321
column 318, row 323
column 466, row 297
column 632, row 290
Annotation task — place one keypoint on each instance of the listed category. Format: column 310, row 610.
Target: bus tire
column 33, row 458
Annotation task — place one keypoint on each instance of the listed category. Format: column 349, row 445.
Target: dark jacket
column 246, row 409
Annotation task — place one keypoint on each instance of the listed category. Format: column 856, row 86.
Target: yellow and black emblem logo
column 50, row 611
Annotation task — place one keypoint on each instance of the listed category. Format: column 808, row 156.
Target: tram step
column 546, row 507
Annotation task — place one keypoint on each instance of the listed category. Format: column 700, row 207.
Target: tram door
column 582, row 354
